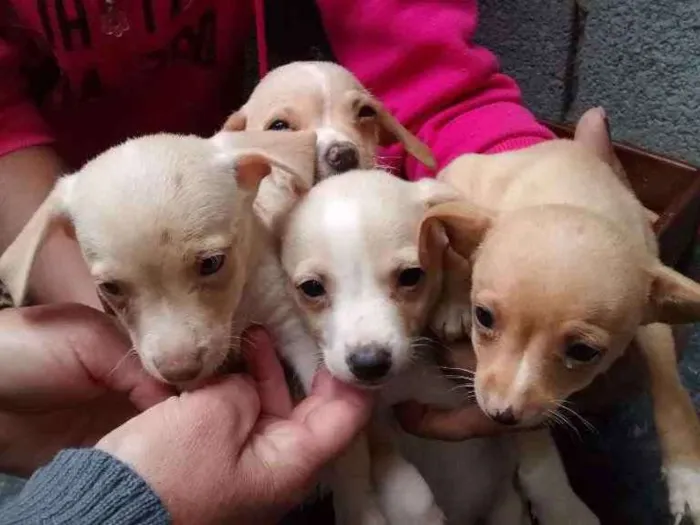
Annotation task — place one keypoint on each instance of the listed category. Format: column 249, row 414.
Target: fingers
column 332, row 414
column 83, row 350
column 266, row 369
column 448, row 425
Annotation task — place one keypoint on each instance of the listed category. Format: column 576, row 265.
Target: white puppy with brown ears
column 565, row 275
column 350, row 249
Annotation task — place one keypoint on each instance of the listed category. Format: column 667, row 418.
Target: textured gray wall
column 532, row 40
column 641, row 60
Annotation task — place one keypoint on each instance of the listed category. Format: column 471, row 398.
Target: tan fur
column 562, row 253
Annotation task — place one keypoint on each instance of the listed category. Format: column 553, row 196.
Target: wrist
column 82, row 486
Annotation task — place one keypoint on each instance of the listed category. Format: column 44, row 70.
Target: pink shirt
column 177, row 68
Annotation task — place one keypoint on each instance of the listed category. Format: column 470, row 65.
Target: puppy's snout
column 342, row 157
column 182, row 368
column 504, row 417
column 369, row 363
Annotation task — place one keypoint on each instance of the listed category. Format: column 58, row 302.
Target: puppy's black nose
column 505, row 417
column 369, row 363
column 342, row 157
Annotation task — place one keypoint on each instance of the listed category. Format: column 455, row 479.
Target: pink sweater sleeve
column 21, row 124
column 417, row 57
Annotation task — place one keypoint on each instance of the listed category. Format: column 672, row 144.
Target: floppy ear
column 17, row 260
column 464, row 225
column 431, row 237
column 236, row 122
column 253, row 154
column 391, row 130
column 673, row 298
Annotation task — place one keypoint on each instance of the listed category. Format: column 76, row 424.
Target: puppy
column 350, row 250
column 167, row 228
column 565, row 273
column 350, row 124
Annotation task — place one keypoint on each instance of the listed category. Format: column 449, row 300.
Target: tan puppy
column 565, row 274
column 167, row 228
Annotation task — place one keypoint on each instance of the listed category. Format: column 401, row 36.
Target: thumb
column 333, row 414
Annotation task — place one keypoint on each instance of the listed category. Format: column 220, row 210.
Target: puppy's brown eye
column 366, row 111
column 212, row 264
column 484, row 317
column 312, row 289
column 410, row 277
column 580, row 353
column 278, row 125
column 111, row 288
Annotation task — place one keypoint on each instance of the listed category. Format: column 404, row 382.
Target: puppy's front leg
column 404, row 496
column 451, row 320
column 545, row 483
column 677, row 424
column 354, row 501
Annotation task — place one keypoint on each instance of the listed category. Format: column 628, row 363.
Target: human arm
column 81, row 487
column 28, row 169
column 418, row 58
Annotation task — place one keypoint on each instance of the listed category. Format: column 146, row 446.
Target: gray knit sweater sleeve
column 81, row 487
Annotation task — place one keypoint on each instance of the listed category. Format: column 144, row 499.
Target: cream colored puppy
column 565, row 274
column 350, row 124
column 350, row 250
column 167, row 228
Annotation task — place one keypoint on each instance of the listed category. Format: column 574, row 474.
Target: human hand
column 236, row 449
column 447, row 425
column 66, row 379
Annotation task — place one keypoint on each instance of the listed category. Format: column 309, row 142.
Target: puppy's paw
column 684, row 494
column 451, row 321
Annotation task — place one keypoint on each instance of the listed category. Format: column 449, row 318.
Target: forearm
column 84, row 487
column 60, row 273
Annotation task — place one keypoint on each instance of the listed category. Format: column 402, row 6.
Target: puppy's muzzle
column 342, row 157
column 369, row 363
column 185, row 367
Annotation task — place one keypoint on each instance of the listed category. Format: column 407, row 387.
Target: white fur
column 684, row 491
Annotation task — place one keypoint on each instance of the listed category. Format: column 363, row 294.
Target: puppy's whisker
column 130, row 353
column 589, row 426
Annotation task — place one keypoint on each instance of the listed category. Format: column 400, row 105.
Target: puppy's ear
column 432, row 192
column 391, row 130
column 17, row 260
column 673, row 298
column 464, row 224
column 593, row 132
column 236, row 122
column 254, row 153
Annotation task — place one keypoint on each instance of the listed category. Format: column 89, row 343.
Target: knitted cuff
column 85, row 486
